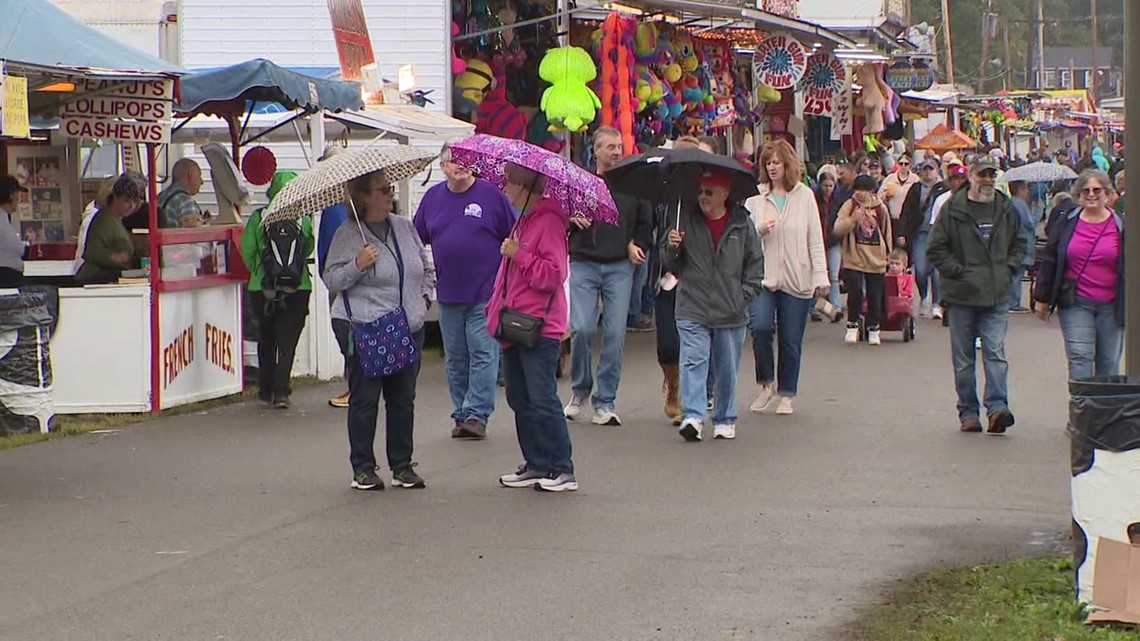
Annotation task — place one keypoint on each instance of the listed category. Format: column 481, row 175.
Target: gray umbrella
column 1038, row 172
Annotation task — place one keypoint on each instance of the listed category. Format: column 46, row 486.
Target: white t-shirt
column 11, row 245
column 936, row 208
column 88, row 214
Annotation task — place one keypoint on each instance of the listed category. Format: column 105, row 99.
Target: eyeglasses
column 705, row 191
column 903, row 164
column 1092, row 191
column 386, row 190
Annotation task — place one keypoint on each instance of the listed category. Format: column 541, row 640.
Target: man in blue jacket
column 331, row 220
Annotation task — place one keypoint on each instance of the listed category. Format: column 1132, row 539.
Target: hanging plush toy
column 458, row 65
column 618, row 79
column 568, row 103
column 872, row 101
column 891, row 109
column 471, row 87
column 685, row 51
column 496, row 115
column 510, row 50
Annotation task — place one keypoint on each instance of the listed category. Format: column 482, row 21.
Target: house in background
column 1071, row 68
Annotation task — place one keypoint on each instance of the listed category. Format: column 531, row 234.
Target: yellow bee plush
column 471, row 87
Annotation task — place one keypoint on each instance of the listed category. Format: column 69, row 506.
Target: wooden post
column 1095, row 41
column 1041, row 44
column 949, row 43
column 1072, row 74
column 1008, row 61
column 985, row 71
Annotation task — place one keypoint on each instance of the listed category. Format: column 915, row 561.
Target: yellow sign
column 15, row 123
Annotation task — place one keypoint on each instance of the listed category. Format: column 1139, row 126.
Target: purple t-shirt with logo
column 465, row 231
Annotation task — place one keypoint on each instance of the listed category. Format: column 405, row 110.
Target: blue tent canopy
column 37, row 34
column 227, row 90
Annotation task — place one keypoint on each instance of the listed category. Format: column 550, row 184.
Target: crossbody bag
column 516, row 327
column 385, row 346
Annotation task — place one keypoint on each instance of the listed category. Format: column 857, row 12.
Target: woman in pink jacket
column 536, row 259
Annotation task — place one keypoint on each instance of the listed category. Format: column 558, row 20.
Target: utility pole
column 985, row 49
column 1008, row 61
column 1092, row 82
column 1041, row 44
column 1132, row 196
column 949, row 44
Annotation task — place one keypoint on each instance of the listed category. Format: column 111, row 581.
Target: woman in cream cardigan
column 795, row 273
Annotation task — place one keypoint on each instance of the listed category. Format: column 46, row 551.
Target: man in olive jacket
column 976, row 245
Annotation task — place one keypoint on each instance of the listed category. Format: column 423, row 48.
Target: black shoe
column 971, row 424
column 367, row 480
column 816, row 317
column 407, row 477
column 265, row 396
column 471, row 430
column 282, row 403
column 838, row 317
column 457, row 431
column 1000, row 421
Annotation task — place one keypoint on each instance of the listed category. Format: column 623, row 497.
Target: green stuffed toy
column 568, row 103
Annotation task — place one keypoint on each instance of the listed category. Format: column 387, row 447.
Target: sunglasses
column 705, row 191
column 1092, row 191
column 903, row 164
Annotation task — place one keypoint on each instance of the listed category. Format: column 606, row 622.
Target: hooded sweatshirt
column 532, row 281
column 253, row 238
column 865, row 227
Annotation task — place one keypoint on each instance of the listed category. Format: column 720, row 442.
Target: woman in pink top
column 1082, row 276
column 536, row 259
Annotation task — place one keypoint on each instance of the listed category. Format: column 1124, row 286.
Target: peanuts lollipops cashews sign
column 779, row 61
column 130, row 111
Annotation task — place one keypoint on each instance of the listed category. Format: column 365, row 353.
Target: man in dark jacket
column 602, row 262
column 914, row 229
column 976, row 245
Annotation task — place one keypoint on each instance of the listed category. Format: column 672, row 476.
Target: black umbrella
column 666, row 175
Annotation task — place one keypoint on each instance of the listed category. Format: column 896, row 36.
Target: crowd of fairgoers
column 524, row 291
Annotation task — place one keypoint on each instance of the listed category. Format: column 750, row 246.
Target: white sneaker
column 936, row 312
column 763, row 399
column 724, row 432
column 786, row 407
column 605, row 417
column 977, row 343
column 852, row 336
column 691, row 429
column 924, row 308
column 873, row 337
column 555, row 482
column 573, row 409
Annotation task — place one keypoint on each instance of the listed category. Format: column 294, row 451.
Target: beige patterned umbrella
column 325, row 184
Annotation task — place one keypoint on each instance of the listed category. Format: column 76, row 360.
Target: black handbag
column 518, row 328
column 1068, row 294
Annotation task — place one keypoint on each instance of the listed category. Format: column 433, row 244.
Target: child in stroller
column 898, row 301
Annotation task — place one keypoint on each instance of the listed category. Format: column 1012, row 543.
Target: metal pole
column 985, row 49
column 1041, row 45
column 949, row 44
column 1095, row 42
column 1132, row 196
column 1008, row 67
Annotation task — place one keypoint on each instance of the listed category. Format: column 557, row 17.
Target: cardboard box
column 1116, row 586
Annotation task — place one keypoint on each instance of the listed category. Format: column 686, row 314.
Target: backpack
column 282, row 258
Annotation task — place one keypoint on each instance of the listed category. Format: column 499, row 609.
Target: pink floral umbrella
column 578, row 191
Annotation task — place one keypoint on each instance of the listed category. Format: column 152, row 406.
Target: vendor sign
column 824, row 77
column 14, row 116
column 350, row 31
column 841, row 112
column 199, row 345
column 779, row 61
column 138, row 111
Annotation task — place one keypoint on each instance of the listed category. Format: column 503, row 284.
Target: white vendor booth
column 317, row 353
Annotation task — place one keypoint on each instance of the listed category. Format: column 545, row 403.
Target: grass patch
column 1025, row 600
column 72, row 424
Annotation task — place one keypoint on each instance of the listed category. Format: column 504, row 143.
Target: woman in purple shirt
column 1082, row 277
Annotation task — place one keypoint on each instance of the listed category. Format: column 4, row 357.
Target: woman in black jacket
column 1082, row 278
column 829, row 199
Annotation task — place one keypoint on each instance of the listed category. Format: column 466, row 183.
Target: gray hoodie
column 375, row 291
column 716, row 285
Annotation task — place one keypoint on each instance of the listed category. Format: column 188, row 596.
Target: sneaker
column 786, row 406
column 971, row 424
column 367, row 480
column 557, row 482
column 265, row 397
column 763, row 399
column 282, row 403
column 977, row 343
column 711, row 404
column 457, row 431
column 873, row 337
column 573, row 409
column 524, row 477
column 605, row 416
column 691, row 430
column 340, row 401
column 852, row 335
column 838, row 317
column 936, row 312
column 407, row 477
column 1000, row 421
column 924, row 309
column 1019, row 310
column 816, row 317
column 724, row 432
column 470, row 430
column 643, row 325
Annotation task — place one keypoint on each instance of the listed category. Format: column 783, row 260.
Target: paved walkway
column 238, row 523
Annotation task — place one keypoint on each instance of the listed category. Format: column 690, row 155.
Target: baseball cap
column 9, row 187
column 874, row 162
column 716, row 178
column 984, row 162
column 927, row 164
column 956, row 169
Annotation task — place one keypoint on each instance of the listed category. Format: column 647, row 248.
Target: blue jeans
column 1094, row 341
column 925, row 276
column 778, row 316
column 637, row 288
column 834, row 262
column 472, row 360
column 967, row 324
column 532, row 393
column 612, row 283
column 699, row 346
column 1015, row 287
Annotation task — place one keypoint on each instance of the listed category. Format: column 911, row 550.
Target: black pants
column 399, row 391
column 10, row 278
column 668, row 341
column 280, row 324
column 875, row 297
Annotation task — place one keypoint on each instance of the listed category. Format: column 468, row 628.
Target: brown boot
column 672, row 393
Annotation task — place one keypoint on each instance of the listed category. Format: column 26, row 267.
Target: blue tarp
column 37, row 33
column 264, row 82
